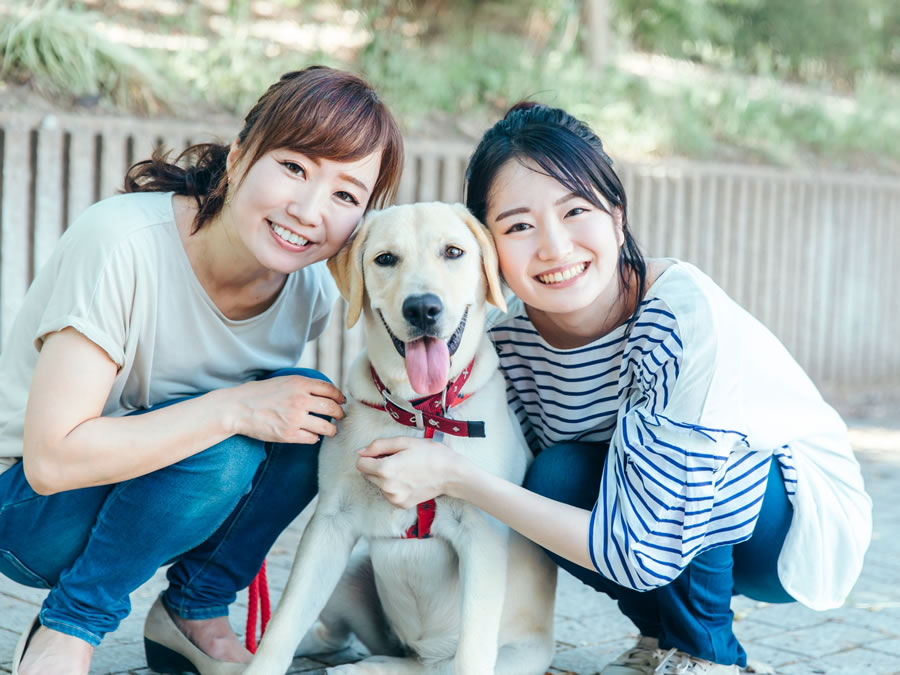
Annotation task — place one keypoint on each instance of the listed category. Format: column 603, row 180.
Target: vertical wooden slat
column 660, row 196
column 722, row 224
column 886, row 318
column 14, row 225
column 867, row 259
column 792, row 262
column 354, row 343
column 452, row 180
column 429, row 185
column 142, row 146
column 644, row 212
column 890, row 316
column 48, row 207
column 816, row 292
column 82, row 170
column 406, row 193
column 112, row 163
column 676, row 241
column 740, row 249
column 771, row 239
column 696, row 216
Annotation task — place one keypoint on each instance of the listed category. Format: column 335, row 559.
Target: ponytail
column 198, row 172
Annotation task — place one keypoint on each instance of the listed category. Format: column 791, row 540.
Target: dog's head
column 421, row 274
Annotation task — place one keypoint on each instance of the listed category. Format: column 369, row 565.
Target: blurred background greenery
column 787, row 82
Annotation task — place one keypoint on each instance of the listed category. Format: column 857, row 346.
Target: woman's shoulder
column 115, row 219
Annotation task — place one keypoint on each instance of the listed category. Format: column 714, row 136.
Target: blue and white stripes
column 671, row 487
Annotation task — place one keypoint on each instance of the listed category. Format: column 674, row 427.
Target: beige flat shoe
column 169, row 651
column 22, row 644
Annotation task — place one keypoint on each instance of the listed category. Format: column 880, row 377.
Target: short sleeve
column 93, row 292
column 672, row 486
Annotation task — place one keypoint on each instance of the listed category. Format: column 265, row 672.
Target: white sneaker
column 674, row 662
column 639, row 660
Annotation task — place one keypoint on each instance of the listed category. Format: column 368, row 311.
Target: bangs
column 569, row 160
column 342, row 130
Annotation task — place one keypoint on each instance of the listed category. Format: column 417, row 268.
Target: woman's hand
column 287, row 409
column 409, row 470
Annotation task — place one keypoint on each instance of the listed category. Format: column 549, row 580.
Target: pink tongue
column 427, row 365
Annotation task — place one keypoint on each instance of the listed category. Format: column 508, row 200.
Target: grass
column 463, row 78
column 63, row 53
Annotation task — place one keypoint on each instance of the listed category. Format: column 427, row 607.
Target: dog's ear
column 488, row 256
column 346, row 268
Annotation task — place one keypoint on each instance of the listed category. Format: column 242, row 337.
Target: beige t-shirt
column 121, row 277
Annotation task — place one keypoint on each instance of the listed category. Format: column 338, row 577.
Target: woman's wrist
column 461, row 479
column 225, row 408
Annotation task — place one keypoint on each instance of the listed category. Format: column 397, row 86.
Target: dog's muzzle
column 452, row 342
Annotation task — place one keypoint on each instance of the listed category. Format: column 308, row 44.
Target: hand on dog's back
column 286, row 409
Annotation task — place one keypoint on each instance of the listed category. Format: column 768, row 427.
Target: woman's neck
column 233, row 279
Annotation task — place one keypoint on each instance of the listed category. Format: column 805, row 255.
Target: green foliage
column 807, row 40
column 61, row 51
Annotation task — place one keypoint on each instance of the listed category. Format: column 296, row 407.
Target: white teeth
column 566, row 274
column 288, row 236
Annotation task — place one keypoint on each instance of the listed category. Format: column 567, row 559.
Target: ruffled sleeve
column 673, row 485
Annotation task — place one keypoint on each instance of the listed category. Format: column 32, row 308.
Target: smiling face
column 290, row 210
column 558, row 252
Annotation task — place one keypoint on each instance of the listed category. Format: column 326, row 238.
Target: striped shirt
column 674, row 391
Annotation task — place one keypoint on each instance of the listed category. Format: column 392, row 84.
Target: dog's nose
column 422, row 311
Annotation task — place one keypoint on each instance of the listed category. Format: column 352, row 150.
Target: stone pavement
column 861, row 637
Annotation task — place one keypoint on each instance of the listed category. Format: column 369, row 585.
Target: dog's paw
column 321, row 640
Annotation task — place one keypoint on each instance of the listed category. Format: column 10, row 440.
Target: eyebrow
column 524, row 209
column 344, row 176
column 355, row 181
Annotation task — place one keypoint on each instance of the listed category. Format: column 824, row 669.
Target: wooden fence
column 812, row 255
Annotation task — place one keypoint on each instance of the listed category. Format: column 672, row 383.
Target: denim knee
column 217, row 476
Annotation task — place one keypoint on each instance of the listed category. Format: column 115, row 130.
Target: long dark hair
column 320, row 112
column 567, row 150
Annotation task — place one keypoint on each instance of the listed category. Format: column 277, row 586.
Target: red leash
column 258, row 599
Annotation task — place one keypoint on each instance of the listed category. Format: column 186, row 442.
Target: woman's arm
column 68, row 444
column 413, row 470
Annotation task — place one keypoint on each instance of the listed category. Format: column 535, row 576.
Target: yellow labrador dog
column 445, row 588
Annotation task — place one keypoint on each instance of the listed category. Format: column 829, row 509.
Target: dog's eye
column 453, row 252
column 386, row 260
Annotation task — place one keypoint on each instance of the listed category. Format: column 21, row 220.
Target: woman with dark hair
column 189, row 300
column 682, row 455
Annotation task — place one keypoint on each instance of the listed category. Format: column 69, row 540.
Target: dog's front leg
column 322, row 555
column 482, row 544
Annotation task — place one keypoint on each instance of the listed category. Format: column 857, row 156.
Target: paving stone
column 827, row 638
column 851, row 662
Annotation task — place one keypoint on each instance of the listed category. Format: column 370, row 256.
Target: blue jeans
column 693, row 612
column 214, row 515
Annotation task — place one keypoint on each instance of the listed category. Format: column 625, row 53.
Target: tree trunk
column 596, row 38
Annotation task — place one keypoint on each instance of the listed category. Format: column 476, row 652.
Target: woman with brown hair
column 189, row 300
